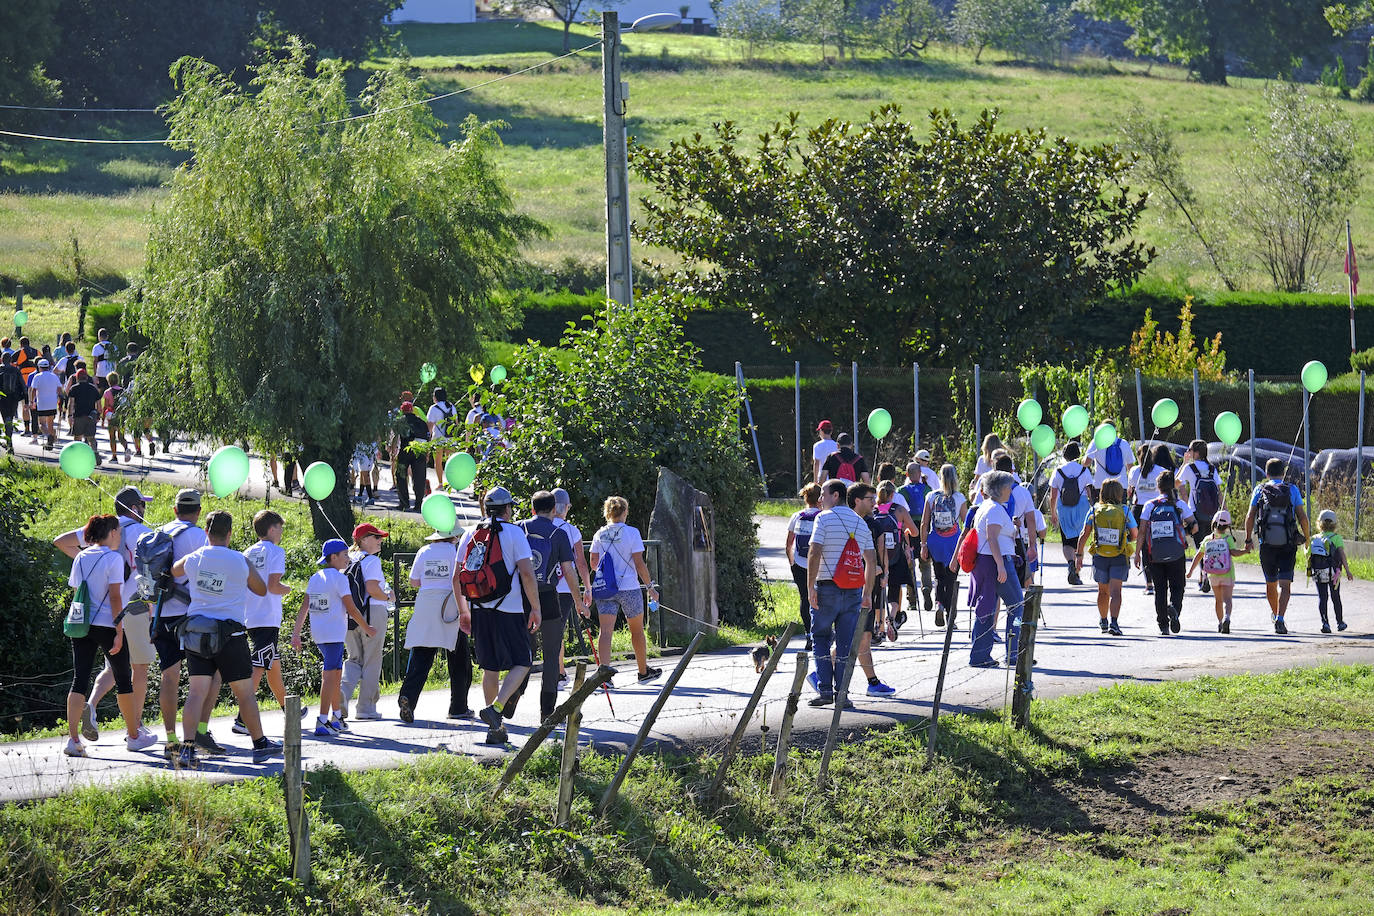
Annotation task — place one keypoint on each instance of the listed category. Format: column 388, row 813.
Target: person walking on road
column 798, row 544
column 1216, row 555
column 1325, row 561
column 939, row 537
column 994, row 572
column 437, row 622
column 12, row 393
column 1110, row 463
column 552, row 557
column 328, row 600
column 1164, row 526
column 841, row 568
column 573, row 597
column 263, row 614
column 1113, row 542
column 1278, row 516
column 1070, row 504
column 1142, row 486
column 824, row 447
column 187, row 536
column 845, row 464
column 409, row 468
column 362, row 668
column 1202, row 490
column 625, row 547
column 921, row 481
column 43, row 396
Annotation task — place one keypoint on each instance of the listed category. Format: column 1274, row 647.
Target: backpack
column 1165, row 532
column 1206, row 495
column 1320, row 561
column 847, row 469
column 802, row 544
column 1112, row 462
column 968, row 550
column 546, row 571
column 849, row 571
column 357, row 588
column 606, row 579
column 915, row 495
column 446, row 425
column 153, row 562
column 942, row 514
column 1216, row 556
column 889, row 527
column 1109, row 530
column 1277, row 517
column 12, row 383
column 1072, row 491
column 482, row 575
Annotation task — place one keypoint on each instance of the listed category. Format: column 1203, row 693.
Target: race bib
column 1162, row 529
column 319, row 604
column 943, row 520
column 77, row 613
column 805, row 526
column 259, row 560
column 889, row 540
column 209, row 581
column 437, row 569
column 1109, row 537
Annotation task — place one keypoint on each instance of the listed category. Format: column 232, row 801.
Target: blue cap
column 331, row 547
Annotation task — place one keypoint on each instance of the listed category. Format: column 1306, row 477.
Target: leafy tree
column 881, row 245
column 565, row 11
column 28, row 32
column 1164, row 354
column 755, row 24
column 307, row 264
column 1268, row 34
column 905, row 28
column 626, row 403
column 1301, row 177
column 1029, row 28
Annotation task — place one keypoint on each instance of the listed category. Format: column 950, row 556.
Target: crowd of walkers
column 855, row 549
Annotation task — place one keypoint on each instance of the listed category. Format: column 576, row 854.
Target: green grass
column 778, row 508
column 988, row 827
column 680, row 84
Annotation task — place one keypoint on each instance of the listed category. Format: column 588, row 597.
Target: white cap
column 923, row 454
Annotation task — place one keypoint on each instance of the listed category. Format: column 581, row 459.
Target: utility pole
column 619, row 280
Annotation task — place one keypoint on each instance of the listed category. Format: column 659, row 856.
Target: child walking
column 1325, row 560
column 1215, row 556
column 329, row 603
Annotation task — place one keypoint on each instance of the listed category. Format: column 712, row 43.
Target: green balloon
column 77, row 460
column 1314, row 376
column 1075, row 420
column 427, row 373
column 498, row 374
column 1228, row 427
column 459, row 470
column 21, row 318
column 227, row 470
column 319, row 481
column 1104, row 436
column 1164, row 413
column 879, row 422
column 1028, row 414
column 438, row 512
column 1042, row 439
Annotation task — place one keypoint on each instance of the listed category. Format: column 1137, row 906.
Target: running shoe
column 239, row 728
column 1164, row 630
column 369, row 716
column 266, row 750
column 186, row 758
column 322, row 729
column 880, row 690
column 1341, row 624
column 1174, row 624
column 340, row 726
column 89, row 730
column 939, row 617
column 1149, row 589
column 171, row 749
column 140, row 742
column 460, row 714
column 1114, row 629
column 74, row 748
column 1102, row 622
column 1074, row 578
column 491, row 716
column 1226, row 625
column 825, row 699
column 407, row 711
column 1326, row 628
column 986, row 663
column 206, row 742
column 497, row 735
column 1279, row 627
column 649, row 674
column 877, row 639
column 814, row 681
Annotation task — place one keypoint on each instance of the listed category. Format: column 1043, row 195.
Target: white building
column 436, row 11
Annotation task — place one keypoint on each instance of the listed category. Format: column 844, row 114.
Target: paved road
column 1073, row 657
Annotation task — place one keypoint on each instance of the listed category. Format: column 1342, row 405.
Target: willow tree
column 313, row 256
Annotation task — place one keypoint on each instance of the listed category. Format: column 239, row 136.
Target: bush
column 1362, row 361
column 1163, row 354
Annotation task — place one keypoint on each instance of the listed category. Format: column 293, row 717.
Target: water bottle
column 653, row 605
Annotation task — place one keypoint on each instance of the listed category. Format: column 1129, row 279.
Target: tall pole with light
column 615, row 92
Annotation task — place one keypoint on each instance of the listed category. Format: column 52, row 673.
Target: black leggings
column 459, row 674
column 803, row 599
column 1333, row 589
column 1168, row 579
column 83, row 661
column 946, row 586
column 550, row 643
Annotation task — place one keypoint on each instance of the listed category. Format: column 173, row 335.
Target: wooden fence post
column 840, row 697
column 574, row 701
column 748, row 714
column 940, row 681
column 1025, row 657
column 297, row 822
column 608, row 798
column 785, row 730
column 568, row 767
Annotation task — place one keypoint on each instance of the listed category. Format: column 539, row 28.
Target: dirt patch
column 1145, row 797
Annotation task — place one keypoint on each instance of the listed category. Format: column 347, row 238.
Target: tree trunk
column 567, row 36
column 331, row 517
column 1211, row 66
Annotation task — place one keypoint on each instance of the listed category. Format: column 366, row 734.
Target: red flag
column 1352, row 270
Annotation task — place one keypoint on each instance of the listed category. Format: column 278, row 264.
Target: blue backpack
column 606, row 579
column 1112, row 461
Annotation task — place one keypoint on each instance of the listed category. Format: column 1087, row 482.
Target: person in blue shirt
column 1276, row 510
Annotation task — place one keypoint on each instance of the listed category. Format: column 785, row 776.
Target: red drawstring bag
column 968, row 550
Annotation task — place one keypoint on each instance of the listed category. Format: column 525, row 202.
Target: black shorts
column 1278, row 562
column 264, row 639
column 46, row 413
column 168, row 643
column 898, row 574
column 1069, row 542
column 500, row 640
column 234, row 662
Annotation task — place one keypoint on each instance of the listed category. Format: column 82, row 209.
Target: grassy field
column 680, row 84
column 1230, row 795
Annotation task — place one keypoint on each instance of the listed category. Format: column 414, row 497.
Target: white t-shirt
column 326, row 591
column 265, row 610
column 1192, row 472
column 1146, row 485
column 823, row 449
column 100, row 567
column 372, row 572
column 982, row 467
column 990, row 513
column 1100, row 475
column 514, row 548
column 440, row 413
column 574, row 538
column 622, row 542
column 102, row 352
column 930, row 476
column 183, row 545
column 474, row 415
column 832, row 531
column 433, row 565
column 218, row 579
column 1059, row 479
column 45, row 385
column 133, row 530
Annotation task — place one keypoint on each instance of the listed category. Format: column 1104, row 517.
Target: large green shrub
column 625, row 406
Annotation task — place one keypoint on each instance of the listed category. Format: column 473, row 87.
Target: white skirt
column 435, row 620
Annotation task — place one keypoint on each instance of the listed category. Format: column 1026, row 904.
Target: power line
column 74, row 110
column 357, row 117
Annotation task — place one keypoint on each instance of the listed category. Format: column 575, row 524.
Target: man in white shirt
column 841, row 565
column 825, row 446
column 499, row 623
column 187, row 537
column 104, row 354
column 363, row 668
column 440, row 417
column 44, row 389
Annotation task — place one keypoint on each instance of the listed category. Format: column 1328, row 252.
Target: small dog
column 762, row 653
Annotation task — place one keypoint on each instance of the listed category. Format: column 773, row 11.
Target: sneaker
column 322, row 730
column 1226, row 625
column 371, row 716
column 489, row 715
column 939, row 617
column 648, row 674
column 1221, row 627
column 878, row 639
column 145, row 730
column 460, row 714
column 808, row 647
column 339, row 726
column 74, row 748
column 1163, row 630
column 1326, row 628
column 986, row 663
column 89, row 730
column 266, row 751
column 1114, row 629
column 171, row 749
column 824, row 699
column 142, row 741
column 1149, row 589
column 1102, row 622
column 900, row 619
column 1204, row 585
column 206, row 742
column 1174, row 624
column 925, row 596
column 407, row 711
column 1279, row 627
column 239, row 728
column 880, row 690
column 1341, row 624
column 814, row 681
column 1074, row 578
column 496, row 735
column 186, row 757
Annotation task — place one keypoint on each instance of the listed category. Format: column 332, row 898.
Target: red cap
column 823, row 426
column 407, row 406
column 407, row 396
column 81, row 374
column 367, row 528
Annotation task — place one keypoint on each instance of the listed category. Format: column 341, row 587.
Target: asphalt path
column 1073, row 657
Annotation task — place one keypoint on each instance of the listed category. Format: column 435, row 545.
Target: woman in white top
column 991, row 443
column 1143, row 486
column 440, row 416
column 625, row 547
column 437, row 623
column 799, row 529
column 994, row 573
column 101, row 567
